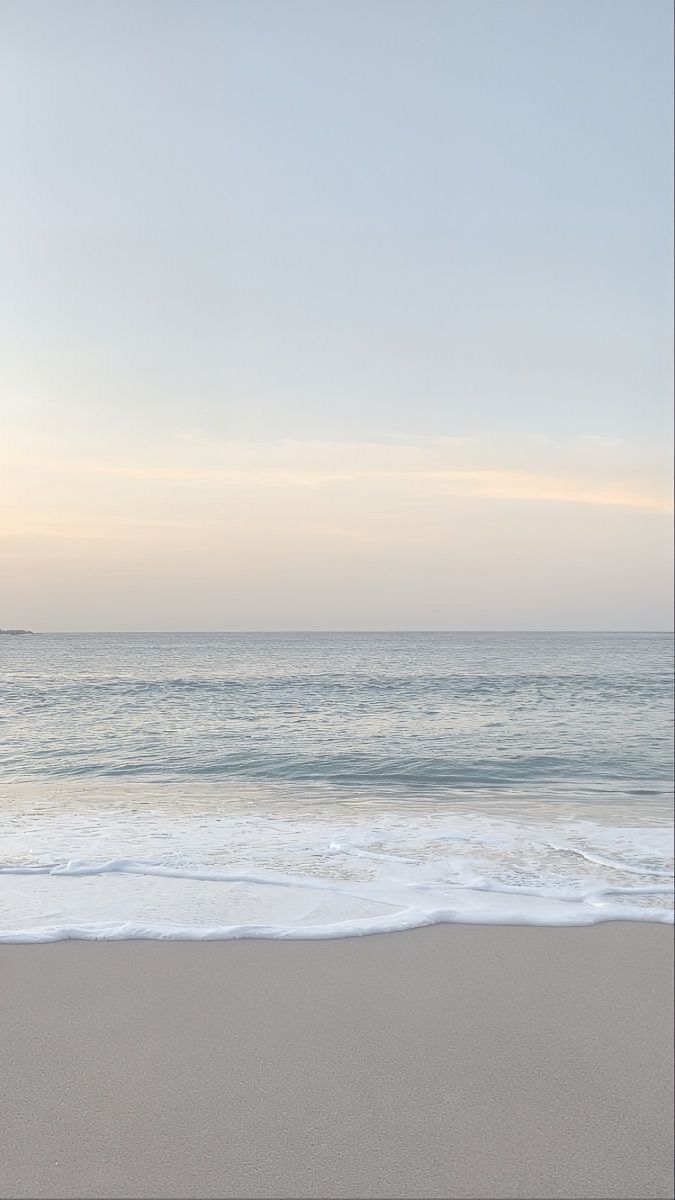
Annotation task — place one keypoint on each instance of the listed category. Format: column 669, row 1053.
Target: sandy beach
column 446, row 1062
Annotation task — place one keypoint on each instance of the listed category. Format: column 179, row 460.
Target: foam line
column 599, row 861
column 408, row 919
column 124, row 866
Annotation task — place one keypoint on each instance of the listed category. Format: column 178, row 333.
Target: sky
column 335, row 314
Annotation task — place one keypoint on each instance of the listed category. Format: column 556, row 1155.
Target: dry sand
column 448, row 1062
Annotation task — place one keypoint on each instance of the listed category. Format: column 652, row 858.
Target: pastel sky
column 335, row 314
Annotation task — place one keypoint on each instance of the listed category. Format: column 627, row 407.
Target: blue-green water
column 401, row 710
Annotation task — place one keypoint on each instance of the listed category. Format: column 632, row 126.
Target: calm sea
column 215, row 785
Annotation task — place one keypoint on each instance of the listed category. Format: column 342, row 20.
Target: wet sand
column 454, row 1061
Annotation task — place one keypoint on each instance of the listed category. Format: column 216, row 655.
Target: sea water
column 319, row 785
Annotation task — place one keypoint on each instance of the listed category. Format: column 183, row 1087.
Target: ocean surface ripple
column 324, row 784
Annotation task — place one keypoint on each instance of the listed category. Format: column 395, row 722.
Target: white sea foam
column 138, row 863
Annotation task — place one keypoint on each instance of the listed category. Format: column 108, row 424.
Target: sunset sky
column 335, row 315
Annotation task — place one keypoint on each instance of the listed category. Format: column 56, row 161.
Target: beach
column 336, row 620
column 453, row 1061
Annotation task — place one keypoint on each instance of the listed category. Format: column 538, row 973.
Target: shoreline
column 448, row 1061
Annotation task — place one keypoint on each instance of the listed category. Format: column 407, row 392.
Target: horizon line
column 302, row 632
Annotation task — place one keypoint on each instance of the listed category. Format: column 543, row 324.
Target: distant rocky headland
column 15, row 632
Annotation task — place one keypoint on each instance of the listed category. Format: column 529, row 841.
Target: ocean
column 323, row 785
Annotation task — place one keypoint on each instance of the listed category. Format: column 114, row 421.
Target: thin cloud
column 432, row 467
